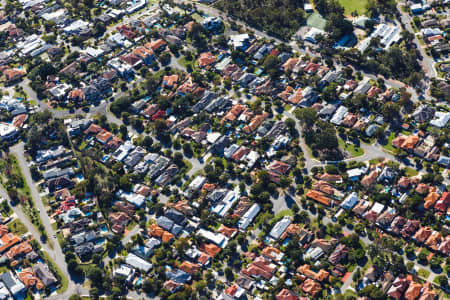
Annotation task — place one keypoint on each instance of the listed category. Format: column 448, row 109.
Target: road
column 427, row 62
column 56, row 253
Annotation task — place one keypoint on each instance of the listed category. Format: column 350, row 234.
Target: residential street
column 56, row 254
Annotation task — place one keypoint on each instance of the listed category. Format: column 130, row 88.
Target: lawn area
column 423, row 273
column 287, row 107
column 389, row 146
column 17, row 227
column 351, row 148
column 197, row 18
column 352, row 5
column 410, row 172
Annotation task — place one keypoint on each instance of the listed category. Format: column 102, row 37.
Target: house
column 156, row 45
column 206, row 59
column 138, row 263
column 286, row 294
column 350, row 201
column 440, row 119
column 386, row 175
column 398, row 287
column 12, row 74
column 260, row 268
column 279, row 228
column 14, row 285
column 276, row 169
column 423, row 113
column 306, row 271
column 311, row 287
column 313, row 34
column 249, row 216
column 7, row 241
column 145, row 54
column 319, row 197
column 410, row 228
column 370, row 179
column 124, row 271
column 212, row 23
column 190, row 268
column 338, row 254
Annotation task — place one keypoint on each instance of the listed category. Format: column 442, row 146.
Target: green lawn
column 410, row 172
column 423, row 273
column 197, row 18
column 287, row 107
column 351, row 148
column 352, row 5
column 389, row 146
column 17, row 227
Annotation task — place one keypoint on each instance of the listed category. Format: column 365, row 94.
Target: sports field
column 352, row 5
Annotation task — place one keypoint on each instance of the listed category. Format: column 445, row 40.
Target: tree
column 443, row 280
column 307, row 116
column 285, row 181
column 390, row 110
column 187, row 149
column 178, row 159
column 229, row 274
column 164, row 58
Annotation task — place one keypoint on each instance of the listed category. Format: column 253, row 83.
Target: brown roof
column 103, row 136
column 368, row 180
column 227, row 231
column 319, row 276
column 189, row 267
column 255, row 123
column 319, row 197
column 311, row 287
column 206, row 59
column 286, row 294
column 278, row 167
column 211, row 249
column 413, row 291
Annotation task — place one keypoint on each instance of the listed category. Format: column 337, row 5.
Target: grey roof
column 176, row 216
column 176, row 229
column 165, row 223
column 43, row 272
column 178, row 275
column 217, row 195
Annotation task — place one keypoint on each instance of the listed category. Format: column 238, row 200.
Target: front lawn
column 354, row 150
column 389, row 146
column 423, row 273
column 410, row 172
column 17, row 227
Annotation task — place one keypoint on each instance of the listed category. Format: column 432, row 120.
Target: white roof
column 94, row 52
column 248, row 217
column 197, row 183
column 440, row 119
column 280, row 227
column 138, row 263
column 135, row 199
column 212, row 137
column 7, row 130
column 377, row 207
column 339, row 115
column 215, row 237
column 123, row 270
column 350, row 201
column 356, row 172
